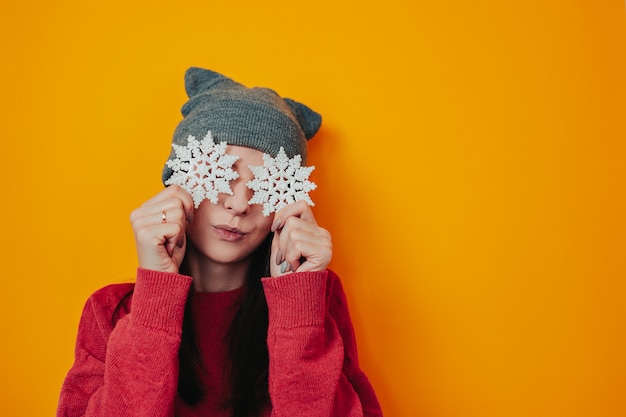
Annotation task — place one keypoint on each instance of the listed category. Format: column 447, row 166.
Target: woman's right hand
column 159, row 226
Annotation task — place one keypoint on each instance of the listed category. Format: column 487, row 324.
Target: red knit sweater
column 131, row 369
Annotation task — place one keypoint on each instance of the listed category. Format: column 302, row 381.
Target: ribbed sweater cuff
column 297, row 299
column 159, row 300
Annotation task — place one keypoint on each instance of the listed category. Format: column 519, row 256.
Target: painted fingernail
column 279, row 258
column 275, row 225
column 283, row 267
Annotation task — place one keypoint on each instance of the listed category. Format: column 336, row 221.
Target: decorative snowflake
column 203, row 169
column 280, row 181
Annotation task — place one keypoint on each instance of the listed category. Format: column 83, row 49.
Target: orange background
column 471, row 167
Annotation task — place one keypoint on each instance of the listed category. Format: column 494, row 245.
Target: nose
column 238, row 202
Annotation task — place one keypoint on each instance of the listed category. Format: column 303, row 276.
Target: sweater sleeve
column 314, row 369
column 132, row 369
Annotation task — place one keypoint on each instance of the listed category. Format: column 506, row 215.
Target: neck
column 209, row 276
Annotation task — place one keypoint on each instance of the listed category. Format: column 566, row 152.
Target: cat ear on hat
column 198, row 80
column 309, row 120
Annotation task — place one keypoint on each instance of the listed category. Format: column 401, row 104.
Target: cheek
column 265, row 223
column 195, row 230
column 256, row 213
column 201, row 217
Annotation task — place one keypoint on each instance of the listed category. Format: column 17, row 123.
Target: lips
column 228, row 233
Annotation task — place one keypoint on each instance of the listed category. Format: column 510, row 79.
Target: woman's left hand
column 298, row 241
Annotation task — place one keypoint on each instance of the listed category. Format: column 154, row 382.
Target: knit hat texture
column 256, row 117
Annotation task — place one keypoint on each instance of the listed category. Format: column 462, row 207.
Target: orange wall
column 471, row 168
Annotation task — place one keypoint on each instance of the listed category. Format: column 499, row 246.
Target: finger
column 301, row 233
column 276, row 258
column 299, row 246
column 159, row 234
column 162, row 210
column 173, row 192
column 170, row 213
column 296, row 230
column 278, row 265
column 156, row 245
column 289, row 242
column 308, row 256
column 299, row 209
column 171, row 234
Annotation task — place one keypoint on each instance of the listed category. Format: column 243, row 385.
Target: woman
column 234, row 312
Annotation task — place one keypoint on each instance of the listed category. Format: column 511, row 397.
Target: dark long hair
column 248, row 358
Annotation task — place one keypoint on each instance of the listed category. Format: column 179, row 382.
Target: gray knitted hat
column 257, row 118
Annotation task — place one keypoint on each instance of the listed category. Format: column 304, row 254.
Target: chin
column 226, row 256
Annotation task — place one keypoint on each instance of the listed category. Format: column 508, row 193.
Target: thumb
column 276, row 257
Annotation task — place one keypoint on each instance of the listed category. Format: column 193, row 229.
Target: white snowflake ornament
column 203, row 169
column 280, row 181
